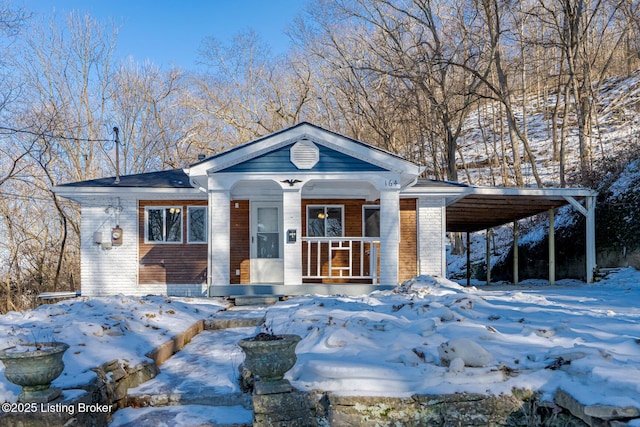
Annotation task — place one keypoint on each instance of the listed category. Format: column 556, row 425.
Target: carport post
column 468, row 259
column 589, row 211
column 516, row 230
column 552, row 248
column 488, row 256
column 590, row 204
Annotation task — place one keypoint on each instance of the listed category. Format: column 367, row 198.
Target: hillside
column 618, row 118
column 616, row 165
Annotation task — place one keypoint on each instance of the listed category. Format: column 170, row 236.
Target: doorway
column 267, row 262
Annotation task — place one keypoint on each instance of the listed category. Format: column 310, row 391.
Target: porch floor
column 279, row 290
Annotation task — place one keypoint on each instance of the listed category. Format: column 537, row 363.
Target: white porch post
column 292, row 219
column 487, row 254
column 431, row 236
column 389, row 236
column 219, row 229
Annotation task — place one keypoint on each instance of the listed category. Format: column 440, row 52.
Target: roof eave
column 75, row 193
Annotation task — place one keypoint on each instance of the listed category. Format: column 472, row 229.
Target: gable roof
column 289, row 129
column 359, row 152
column 270, row 154
column 279, row 160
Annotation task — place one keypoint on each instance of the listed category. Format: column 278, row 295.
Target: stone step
column 255, row 300
column 184, row 415
column 204, row 397
column 205, row 372
column 233, row 320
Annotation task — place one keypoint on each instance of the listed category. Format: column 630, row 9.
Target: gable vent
column 304, row 154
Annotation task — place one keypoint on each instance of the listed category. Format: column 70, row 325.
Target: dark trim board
column 293, row 290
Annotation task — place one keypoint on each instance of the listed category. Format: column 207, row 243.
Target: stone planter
column 33, row 367
column 270, row 357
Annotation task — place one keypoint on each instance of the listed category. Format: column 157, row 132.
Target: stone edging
column 164, row 351
column 114, row 378
column 108, row 390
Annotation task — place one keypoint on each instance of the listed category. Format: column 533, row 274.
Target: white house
column 298, row 211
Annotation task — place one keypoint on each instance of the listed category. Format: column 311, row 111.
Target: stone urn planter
column 33, row 367
column 269, row 357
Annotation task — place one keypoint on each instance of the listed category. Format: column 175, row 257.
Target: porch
column 337, row 244
column 278, row 290
column 341, row 231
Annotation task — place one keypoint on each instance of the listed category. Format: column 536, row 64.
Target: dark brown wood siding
column 408, row 249
column 240, row 242
column 185, row 263
column 170, row 263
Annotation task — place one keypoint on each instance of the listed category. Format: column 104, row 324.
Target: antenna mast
column 117, row 131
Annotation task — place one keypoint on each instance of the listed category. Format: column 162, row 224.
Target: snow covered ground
column 99, row 330
column 388, row 344
column 582, row 338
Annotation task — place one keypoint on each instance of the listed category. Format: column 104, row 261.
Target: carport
column 482, row 208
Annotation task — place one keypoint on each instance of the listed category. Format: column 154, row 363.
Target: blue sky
column 169, row 32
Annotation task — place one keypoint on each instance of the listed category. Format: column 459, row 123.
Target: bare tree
column 403, row 52
column 246, row 92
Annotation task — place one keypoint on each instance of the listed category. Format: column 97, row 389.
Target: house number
column 390, row 183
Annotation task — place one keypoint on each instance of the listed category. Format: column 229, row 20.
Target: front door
column 267, row 263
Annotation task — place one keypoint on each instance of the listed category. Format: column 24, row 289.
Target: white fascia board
column 226, row 180
column 545, row 192
column 371, row 155
column 78, row 193
column 336, row 142
column 436, row 191
column 244, row 152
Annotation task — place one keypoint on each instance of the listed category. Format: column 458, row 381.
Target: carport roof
column 471, row 208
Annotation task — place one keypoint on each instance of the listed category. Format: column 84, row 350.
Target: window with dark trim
column 197, row 224
column 325, row 221
column 371, row 221
column 163, row 224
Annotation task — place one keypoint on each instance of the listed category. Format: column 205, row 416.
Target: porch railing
column 341, row 258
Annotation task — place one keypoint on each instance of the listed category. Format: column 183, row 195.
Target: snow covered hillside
column 618, row 118
column 615, row 155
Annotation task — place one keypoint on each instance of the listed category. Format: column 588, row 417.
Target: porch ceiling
column 477, row 212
